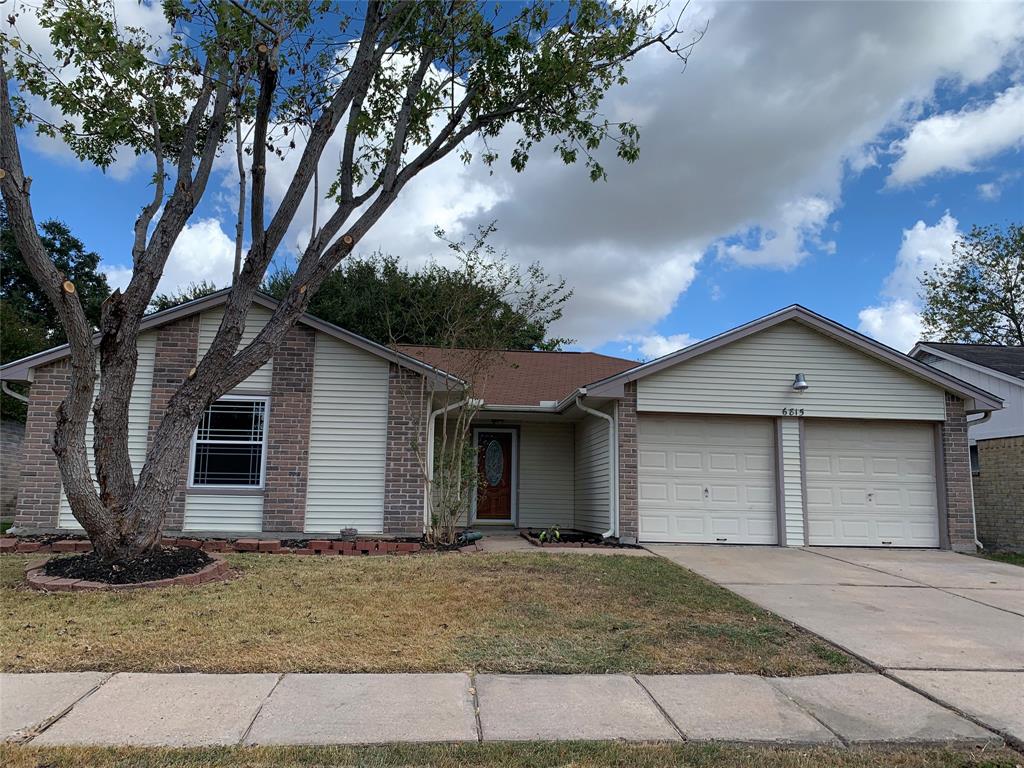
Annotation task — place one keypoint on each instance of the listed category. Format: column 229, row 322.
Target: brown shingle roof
column 521, row 378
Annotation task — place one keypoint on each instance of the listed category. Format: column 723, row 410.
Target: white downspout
column 613, row 463
column 430, row 452
column 974, row 514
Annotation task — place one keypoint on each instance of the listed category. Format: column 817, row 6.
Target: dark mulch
column 163, row 564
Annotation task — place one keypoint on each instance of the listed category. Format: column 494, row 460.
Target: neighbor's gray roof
column 1008, row 360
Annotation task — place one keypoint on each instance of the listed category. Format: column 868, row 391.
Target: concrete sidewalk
column 201, row 709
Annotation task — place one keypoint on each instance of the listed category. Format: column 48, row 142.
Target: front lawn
column 527, row 755
column 553, row 613
column 1013, row 558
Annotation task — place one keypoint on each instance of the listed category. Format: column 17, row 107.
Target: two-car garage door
column 712, row 479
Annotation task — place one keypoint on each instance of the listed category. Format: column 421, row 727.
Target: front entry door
column 494, row 470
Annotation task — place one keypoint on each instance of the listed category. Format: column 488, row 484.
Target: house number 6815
column 792, row 411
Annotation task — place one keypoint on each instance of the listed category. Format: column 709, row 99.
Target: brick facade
column 999, row 494
column 403, row 482
column 629, row 509
column 177, row 347
column 291, row 400
column 39, row 491
column 956, row 461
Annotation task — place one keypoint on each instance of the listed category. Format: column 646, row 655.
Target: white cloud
column 203, row 251
column 896, row 320
column 783, row 242
column 749, row 147
column 958, row 141
column 655, row 345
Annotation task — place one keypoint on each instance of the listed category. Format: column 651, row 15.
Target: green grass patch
column 527, row 755
column 1011, row 558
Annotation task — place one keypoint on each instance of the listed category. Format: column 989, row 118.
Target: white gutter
column 974, row 514
column 430, row 451
column 613, row 463
column 8, row 391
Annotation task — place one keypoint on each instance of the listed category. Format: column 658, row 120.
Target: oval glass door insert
column 494, row 463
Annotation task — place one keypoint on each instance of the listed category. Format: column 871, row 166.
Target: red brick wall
column 999, row 493
column 403, row 482
column 39, row 492
column 177, row 345
column 629, row 511
column 291, row 399
column 957, row 463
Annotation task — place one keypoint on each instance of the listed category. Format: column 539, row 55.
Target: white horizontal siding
column 256, row 318
column 546, row 475
column 223, row 512
column 347, row 440
column 591, row 476
column 754, row 376
column 792, row 483
column 138, row 423
column 1009, row 422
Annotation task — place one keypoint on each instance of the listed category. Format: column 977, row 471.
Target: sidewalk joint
column 259, row 709
column 476, row 706
column 49, row 722
column 657, row 704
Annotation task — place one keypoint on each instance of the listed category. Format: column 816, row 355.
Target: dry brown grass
column 553, row 613
column 563, row 755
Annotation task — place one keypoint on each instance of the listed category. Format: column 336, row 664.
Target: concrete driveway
column 948, row 625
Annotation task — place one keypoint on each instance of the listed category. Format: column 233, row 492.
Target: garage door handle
column 707, row 493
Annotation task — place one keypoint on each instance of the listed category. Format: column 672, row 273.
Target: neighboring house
column 789, row 430
column 997, row 443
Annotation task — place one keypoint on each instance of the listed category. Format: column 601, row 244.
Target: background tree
column 190, row 292
column 27, row 323
column 978, row 296
column 401, row 84
column 381, row 299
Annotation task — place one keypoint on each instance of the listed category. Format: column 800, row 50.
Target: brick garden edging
column 261, row 546
column 215, row 571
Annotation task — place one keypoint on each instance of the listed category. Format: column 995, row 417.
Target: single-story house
column 789, row 430
column 996, row 440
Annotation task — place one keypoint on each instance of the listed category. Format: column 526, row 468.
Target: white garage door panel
column 871, row 484
column 707, row 479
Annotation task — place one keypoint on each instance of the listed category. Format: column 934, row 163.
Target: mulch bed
column 164, row 563
column 575, row 539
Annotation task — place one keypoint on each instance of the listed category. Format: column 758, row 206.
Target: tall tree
column 379, row 298
column 402, row 85
column 978, row 296
column 27, row 323
column 190, row 292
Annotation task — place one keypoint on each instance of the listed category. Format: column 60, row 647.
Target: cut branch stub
column 347, row 240
column 68, row 287
column 192, row 372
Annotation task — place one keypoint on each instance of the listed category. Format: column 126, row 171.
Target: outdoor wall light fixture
column 800, row 383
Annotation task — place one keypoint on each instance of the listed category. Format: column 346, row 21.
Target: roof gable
column 1005, row 360
column 977, row 399
column 19, row 370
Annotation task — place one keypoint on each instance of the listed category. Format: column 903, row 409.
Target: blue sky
column 813, row 153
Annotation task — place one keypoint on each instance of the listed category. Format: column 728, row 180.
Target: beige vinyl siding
column 138, row 422
column 257, row 317
column 792, row 483
column 223, row 512
column 348, row 439
column 546, row 475
column 591, row 476
column 754, row 376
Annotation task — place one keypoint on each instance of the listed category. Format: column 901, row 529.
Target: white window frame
column 263, row 453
